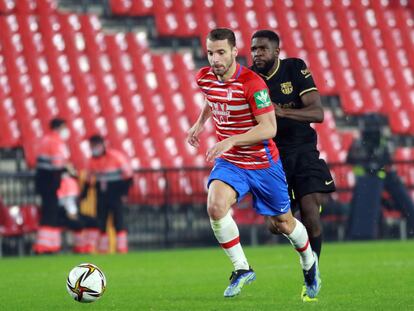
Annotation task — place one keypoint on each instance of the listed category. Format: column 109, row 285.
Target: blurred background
column 125, row 69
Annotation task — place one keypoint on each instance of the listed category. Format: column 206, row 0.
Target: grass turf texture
column 356, row 276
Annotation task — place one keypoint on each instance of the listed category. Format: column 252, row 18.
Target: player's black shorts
column 306, row 173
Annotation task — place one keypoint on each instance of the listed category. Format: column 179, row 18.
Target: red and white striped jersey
column 234, row 104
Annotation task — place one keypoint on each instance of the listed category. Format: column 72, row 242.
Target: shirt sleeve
column 124, row 165
column 304, row 78
column 257, row 95
column 200, row 74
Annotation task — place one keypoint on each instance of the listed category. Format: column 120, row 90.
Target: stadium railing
column 167, row 207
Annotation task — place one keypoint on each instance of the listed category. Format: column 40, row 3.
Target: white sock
column 227, row 234
column 300, row 241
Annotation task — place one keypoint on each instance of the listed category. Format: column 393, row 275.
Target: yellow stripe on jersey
column 308, row 90
column 274, row 72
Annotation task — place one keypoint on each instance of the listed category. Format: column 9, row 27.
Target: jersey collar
column 237, row 72
column 274, row 72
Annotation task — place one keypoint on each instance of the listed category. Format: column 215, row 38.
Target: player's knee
column 272, row 228
column 283, row 227
column 278, row 226
column 312, row 222
column 216, row 209
column 313, row 226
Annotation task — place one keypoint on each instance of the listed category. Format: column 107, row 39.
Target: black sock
column 316, row 244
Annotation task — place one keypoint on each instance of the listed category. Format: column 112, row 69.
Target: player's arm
column 265, row 129
column 312, row 110
column 197, row 128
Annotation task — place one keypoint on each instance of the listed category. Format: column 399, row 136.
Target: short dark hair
column 96, row 139
column 269, row 34
column 223, row 34
column 55, row 123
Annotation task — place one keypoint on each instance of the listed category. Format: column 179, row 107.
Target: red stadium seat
column 63, row 64
column 406, row 169
column 142, row 7
column 400, row 122
column 11, row 221
column 121, row 7
column 31, row 217
column 7, row 6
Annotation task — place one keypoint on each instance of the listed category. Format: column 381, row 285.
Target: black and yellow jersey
column 287, row 84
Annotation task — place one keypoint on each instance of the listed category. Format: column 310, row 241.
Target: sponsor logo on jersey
column 262, row 99
column 305, row 71
column 288, row 105
column 220, row 112
column 286, row 88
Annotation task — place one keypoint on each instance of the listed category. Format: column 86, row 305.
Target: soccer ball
column 86, row 283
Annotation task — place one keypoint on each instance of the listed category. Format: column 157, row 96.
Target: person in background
column 371, row 158
column 51, row 161
column 111, row 173
column 84, row 228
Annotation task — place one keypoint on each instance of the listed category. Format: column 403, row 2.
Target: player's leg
column 309, row 212
column 310, row 205
column 226, row 184
column 220, row 198
column 312, row 180
column 271, row 199
column 312, row 183
column 296, row 233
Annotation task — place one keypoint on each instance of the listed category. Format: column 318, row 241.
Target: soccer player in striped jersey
column 246, row 159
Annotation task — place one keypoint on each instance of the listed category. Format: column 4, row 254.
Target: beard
column 265, row 67
column 222, row 69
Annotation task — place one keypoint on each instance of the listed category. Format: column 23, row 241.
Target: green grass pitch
column 356, row 276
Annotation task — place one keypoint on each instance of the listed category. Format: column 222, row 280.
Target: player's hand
column 192, row 135
column 278, row 110
column 218, row 149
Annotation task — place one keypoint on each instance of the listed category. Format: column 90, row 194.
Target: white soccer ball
column 86, row 283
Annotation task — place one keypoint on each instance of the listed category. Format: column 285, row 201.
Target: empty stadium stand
column 57, row 63
column 362, row 50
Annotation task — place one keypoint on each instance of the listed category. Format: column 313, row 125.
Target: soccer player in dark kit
column 297, row 104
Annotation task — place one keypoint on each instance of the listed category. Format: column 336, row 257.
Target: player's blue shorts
column 268, row 186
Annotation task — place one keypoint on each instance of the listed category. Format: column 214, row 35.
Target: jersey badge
column 262, row 99
column 286, row 87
